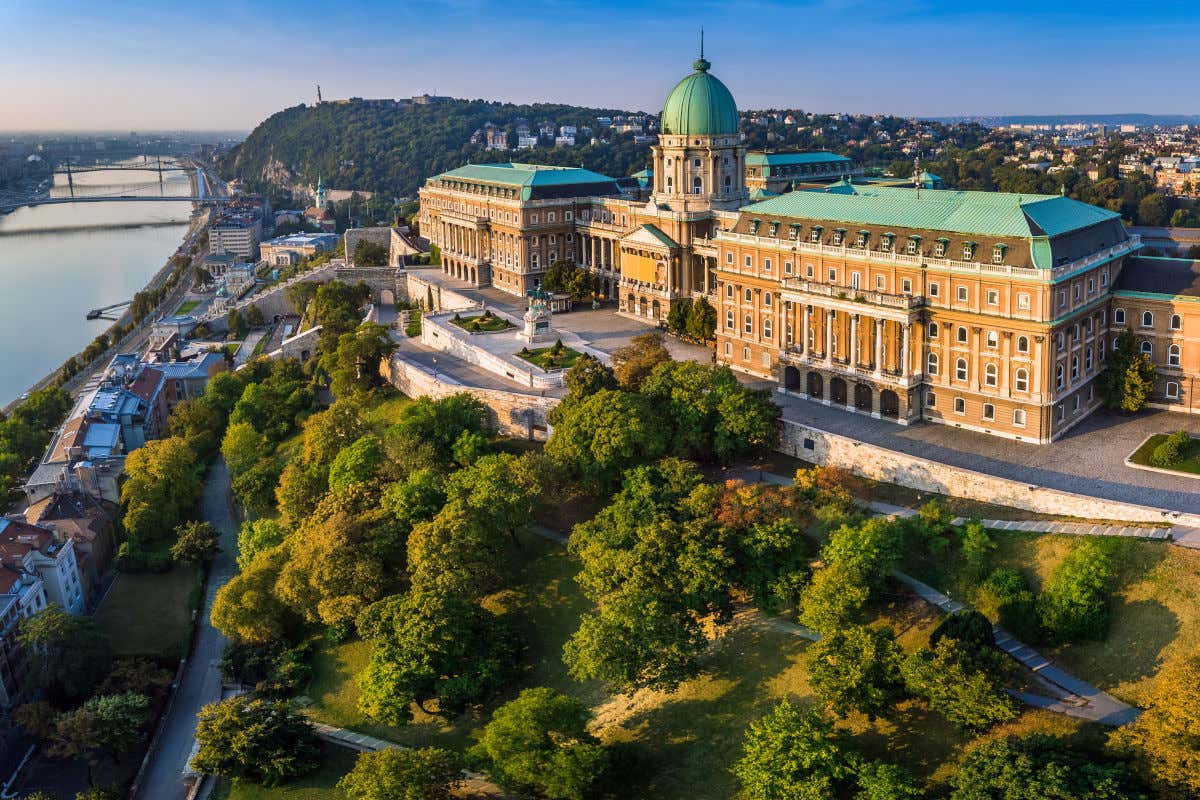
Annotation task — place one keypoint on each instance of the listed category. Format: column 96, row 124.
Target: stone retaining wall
column 515, row 415
column 432, row 296
column 879, row 463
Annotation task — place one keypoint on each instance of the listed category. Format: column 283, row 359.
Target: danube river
column 59, row 261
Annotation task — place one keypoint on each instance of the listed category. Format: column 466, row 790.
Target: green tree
column 540, row 743
column 196, row 542
column 701, row 322
column 334, row 572
column 977, row 547
column 301, row 487
column 236, row 323
column 879, row 781
column 794, row 755
column 428, row 773
column 588, row 376
column 161, row 486
column 1038, row 766
column 300, row 295
column 856, row 669
column 255, row 536
column 1073, row 606
column 427, row 647
column 417, row 498
column 242, row 447
column 634, row 362
column 257, row 740
column 68, row 655
column 441, row 422
column 1153, row 210
column 199, row 424
column 600, row 436
column 248, row 608
column 354, row 365
column 327, row 433
column 456, row 552
column 357, row 463
column 501, row 490
column 677, row 316
column 254, row 316
column 368, row 253
column 963, row 685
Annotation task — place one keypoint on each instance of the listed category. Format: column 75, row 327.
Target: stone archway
column 655, row 310
column 862, row 397
column 816, row 385
column 791, row 378
column 889, row 404
column 837, row 391
column 387, row 297
column 641, row 306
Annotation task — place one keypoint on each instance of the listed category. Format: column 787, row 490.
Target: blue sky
column 226, row 64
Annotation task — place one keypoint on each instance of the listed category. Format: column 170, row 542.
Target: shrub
column 1006, row 595
column 1170, row 452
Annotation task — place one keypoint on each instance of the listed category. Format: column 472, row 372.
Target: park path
column 201, row 682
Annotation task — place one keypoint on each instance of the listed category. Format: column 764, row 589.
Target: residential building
column 29, row 550
column 90, row 522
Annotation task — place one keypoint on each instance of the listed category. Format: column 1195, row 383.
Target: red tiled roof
column 146, row 383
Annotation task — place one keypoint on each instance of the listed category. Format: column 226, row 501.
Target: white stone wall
column 878, row 463
column 514, row 415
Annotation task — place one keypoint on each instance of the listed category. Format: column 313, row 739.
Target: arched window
column 993, row 340
column 1147, row 349
column 989, row 374
column 766, row 329
column 749, row 295
column 1118, row 316
column 1074, row 368
column 1059, row 376
column 1022, row 344
column 697, row 185
column 729, row 320
column 1176, row 322
column 1172, row 390
column 960, row 334
column 932, row 364
column 729, row 288
column 1173, row 355
column 1021, row 381
column 767, row 299
column 960, row 369
column 749, row 324
column 933, row 330
column 670, row 184
column 1147, row 319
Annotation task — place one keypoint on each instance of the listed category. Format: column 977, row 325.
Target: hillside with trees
column 371, row 147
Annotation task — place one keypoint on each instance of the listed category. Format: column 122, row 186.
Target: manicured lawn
column 150, row 614
column 545, row 357
column 1155, row 606
column 318, row 785
column 187, row 306
column 1189, row 461
column 482, row 323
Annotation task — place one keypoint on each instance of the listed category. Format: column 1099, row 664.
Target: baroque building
column 981, row 310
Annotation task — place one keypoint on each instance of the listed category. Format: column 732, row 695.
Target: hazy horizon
column 223, row 67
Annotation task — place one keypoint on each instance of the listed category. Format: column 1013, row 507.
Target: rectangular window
column 1019, row 417
column 906, row 286
column 989, row 412
column 766, row 265
column 962, row 294
column 1023, row 301
column 933, row 290
column 960, row 405
column 787, row 268
column 993, row 297
column 832, row 275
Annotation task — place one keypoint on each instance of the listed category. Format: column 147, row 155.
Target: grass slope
column 1189, row 461
column 319, row 785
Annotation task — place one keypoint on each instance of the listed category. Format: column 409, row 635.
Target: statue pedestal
column 537, row 324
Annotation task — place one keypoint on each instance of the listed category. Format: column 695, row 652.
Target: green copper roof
column 788, row 159
column 529, row 177
column 700, row 105
column 981, row 213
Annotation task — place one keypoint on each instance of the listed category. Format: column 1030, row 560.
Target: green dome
column 700, row 105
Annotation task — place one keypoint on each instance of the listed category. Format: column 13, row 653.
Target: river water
column 59, row 261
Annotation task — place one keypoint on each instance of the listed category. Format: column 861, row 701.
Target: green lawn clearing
column 1189, row 456
column 550, row 358
column 150, row 614
column 187, row 306
column 486, row 322
column 318, row 785
column 386, row 411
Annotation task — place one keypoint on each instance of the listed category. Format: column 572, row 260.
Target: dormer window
column 939, row 249
column 839, row 236
column 863, row 238
column 774, row 228
column 815, row 235
column 914, row 244
column 998, row 253
column 793, row 231
column 754, row 223
column 885, row 244
column 968, row 251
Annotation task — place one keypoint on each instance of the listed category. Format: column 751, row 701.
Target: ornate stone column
column 853, row 349
column 878, row 365
column 905, row 333
column 804, row 330
column 829, row 315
